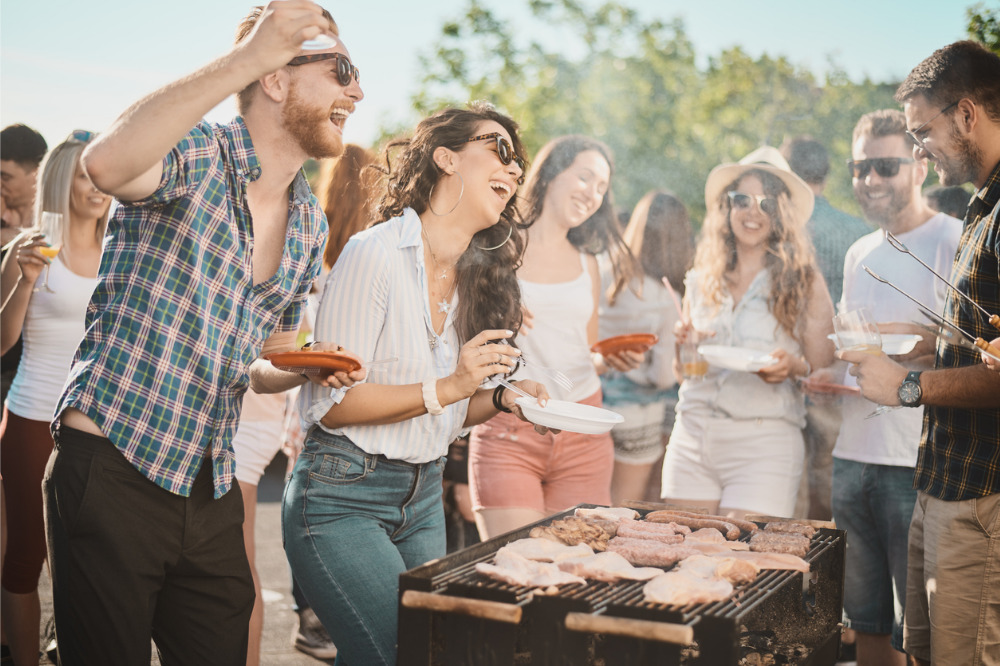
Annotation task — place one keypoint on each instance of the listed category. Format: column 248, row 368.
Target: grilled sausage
column 745, row 525
column 646, row 553
column 779, row 542
column 696, row 522
column 791, row 527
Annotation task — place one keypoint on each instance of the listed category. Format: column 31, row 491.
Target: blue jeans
column 874, row 503
column 351, row 523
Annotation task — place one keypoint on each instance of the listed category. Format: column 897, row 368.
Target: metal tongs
column 993, row 319
column 946, row 330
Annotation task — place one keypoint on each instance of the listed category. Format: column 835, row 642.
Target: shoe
column 311, row 637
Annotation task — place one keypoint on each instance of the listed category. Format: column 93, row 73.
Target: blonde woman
column 51, row 323
column 737, row 447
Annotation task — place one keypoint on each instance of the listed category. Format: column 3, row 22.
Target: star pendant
column 444, row 306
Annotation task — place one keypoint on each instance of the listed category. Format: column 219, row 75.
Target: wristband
column 498, row 398
column 429, row 390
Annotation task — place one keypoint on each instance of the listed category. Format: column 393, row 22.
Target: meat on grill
column 647, row 553
column 662, row 532
column 546, row 550
column 696, row 521
column 572, row 531
column 509, row 567
column 780, row 542
column 607, row 513
column 678, row 588
column 769, row 560
column 609, row 567
column 734, row 570
column 791, row 527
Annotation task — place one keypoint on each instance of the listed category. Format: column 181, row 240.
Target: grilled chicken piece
column 728, row 568
column 573, row 531
column 509, row 567
column 544, row 550
column 677, row 588
column 609, row 567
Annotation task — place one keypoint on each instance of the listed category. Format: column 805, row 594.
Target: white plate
column 742, row 359
column 894, row 343
column 571, row 416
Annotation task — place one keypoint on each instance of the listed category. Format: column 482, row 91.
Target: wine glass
column 50, row 227
column 856, row 330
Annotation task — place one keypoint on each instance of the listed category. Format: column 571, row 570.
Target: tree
column 984, row 25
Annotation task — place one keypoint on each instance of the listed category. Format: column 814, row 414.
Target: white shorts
column 753, row 465
column 255, row 444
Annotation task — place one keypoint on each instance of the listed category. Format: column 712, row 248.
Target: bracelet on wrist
column 498, row 399
column 429, row 391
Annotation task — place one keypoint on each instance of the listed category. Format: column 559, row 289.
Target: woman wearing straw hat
column 737, row 445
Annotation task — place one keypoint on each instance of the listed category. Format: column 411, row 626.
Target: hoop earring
column 510, row 232
column 430, row 195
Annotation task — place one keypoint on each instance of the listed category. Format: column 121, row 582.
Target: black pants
column 131, row 561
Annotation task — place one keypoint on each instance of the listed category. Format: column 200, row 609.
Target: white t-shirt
column 893, row 438
column 52, row 330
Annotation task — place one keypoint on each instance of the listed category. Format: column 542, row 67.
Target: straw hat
column 765, row 158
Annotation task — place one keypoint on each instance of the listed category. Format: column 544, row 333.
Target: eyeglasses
column 345, row 68
column 504, row 151
column 913, row 134
column 81, row 136
column 886, row 167
column 740, row 201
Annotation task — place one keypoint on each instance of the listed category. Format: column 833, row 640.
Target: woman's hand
column 783, row 367
column 29, row 259
column 531, row 387
column 478, row 359
column 624, row 360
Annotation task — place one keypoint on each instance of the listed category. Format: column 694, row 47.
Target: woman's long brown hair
column 346, row 192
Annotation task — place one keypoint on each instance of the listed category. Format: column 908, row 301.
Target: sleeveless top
column 558, row 338
column 53, row 328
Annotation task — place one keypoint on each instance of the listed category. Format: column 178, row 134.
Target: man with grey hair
column 952, row 105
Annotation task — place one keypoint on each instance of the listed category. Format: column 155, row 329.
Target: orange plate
column 637, row 342
column 314, row 362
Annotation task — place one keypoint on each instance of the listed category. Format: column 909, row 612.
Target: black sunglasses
column 504, row 151
column 345, row 68
column 740, row 201
column 886, row 167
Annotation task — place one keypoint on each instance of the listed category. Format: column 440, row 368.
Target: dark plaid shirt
column 176, row 318
column 960, row 450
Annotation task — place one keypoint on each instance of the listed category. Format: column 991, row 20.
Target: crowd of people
column 149, row 270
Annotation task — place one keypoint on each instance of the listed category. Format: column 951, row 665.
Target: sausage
column 729, row 530
column 646, row 553
column 745, row 525
column 642, row 531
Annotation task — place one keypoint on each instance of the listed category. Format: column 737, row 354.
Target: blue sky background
column 66, row 65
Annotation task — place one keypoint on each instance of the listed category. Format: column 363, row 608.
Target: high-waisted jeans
column 351, row 523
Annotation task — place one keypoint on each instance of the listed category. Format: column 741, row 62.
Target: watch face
column 909, row 393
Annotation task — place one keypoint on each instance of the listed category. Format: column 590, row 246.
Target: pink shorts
column 512, row 466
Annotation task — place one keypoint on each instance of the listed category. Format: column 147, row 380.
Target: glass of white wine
column 856, row 330
column 50, row 227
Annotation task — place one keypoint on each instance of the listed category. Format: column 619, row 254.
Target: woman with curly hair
column 518, row 475
column 737, row 447
column 431, row 289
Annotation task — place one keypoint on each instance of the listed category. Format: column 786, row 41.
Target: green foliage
column 984, row 25
column 635, row 85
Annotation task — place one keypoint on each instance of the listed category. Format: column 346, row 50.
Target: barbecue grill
column 450, row 615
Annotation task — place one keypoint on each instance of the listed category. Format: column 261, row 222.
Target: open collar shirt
column 959, row 455
column 176, row 318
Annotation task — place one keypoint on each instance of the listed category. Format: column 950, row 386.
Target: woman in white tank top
column 516, row 475
column 51, row 321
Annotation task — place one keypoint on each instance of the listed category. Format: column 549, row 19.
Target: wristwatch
column 909, row 391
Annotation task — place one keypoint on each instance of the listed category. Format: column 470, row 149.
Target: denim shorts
column 351, row 523
column 874, row 504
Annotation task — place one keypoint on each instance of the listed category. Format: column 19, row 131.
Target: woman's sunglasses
column 886, row 167
column 345, row 68
column 740, row 201
column 504, row 151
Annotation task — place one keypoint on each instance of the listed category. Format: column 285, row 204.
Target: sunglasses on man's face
column 886, row 167
column 504, row 151
column 345, row 68
column 740, row 201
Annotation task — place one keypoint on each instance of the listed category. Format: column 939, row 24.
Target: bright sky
column 66, row 65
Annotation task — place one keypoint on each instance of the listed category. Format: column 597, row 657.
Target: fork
column 515, row 389
column 557, row 376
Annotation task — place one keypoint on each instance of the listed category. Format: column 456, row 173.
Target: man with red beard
column 206, row 266
column 952, row 105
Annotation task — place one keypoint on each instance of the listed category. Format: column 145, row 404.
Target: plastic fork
column 557, row 376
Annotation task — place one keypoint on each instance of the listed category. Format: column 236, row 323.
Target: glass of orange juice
column 51, row 227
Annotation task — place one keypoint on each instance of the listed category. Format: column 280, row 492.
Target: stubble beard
column 309, row 126
column 965, row 165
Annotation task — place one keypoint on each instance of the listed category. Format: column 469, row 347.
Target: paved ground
column 279, row 618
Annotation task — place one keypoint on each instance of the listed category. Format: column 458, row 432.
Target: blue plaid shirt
column 176, row 319
column 959, row 455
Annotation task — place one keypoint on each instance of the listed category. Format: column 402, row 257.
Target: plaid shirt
column 960, row 452
column 176, row 319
